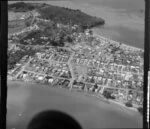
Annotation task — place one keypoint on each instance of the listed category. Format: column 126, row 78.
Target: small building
column 40, row 78
column 50, row 80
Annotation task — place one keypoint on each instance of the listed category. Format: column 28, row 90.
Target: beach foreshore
column 100, row 97
column 90, row 112
column 123, row 45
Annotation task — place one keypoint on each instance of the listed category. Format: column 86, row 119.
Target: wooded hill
column 58, row 14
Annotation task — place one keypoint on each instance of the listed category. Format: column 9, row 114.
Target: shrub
column 140, row 109
column 112, row 97
column 129, row 104
column 107, row 95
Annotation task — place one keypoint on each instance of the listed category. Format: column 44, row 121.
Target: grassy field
column 28, row 99
column 14, row 15
column 15, row 26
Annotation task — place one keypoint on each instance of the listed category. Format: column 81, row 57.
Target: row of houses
column 108, row 66
column 49, row 68
column 54, row 55
column 120, row 95
column 43, row 79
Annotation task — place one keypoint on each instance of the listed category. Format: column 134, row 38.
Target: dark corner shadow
column 53, row 119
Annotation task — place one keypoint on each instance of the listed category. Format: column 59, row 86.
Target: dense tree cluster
column 56, row 36
column 67, row 16
column 59, row 14
column 108, row 95
column 129, row 104
column 15, row 57
column 21, row 7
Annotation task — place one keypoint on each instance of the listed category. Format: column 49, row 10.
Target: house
column 50, row 80
column 129, row 97
column 41, row 78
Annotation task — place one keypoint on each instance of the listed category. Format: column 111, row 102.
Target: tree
column 129, row 104
column 107, row 94
column 95, row 86
column 140, row 109
column 27, row 23
column 69, row 39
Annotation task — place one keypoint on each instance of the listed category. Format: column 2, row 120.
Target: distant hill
column 58, row 14
column 20, row 7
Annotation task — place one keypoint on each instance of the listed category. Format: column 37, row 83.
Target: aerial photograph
column 80, row 57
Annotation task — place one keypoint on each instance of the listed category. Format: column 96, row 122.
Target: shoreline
column 90, row 112
column 121, row 44
column 104, row 100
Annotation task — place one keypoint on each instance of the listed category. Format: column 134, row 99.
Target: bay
column 124, row 18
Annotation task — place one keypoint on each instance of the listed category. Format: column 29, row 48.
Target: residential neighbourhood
column 92, row 64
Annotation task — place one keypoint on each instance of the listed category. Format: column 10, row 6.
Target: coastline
column 122, row 44
column 104, row 100
column 74, row 6
column 113, row 111
column 90, row 112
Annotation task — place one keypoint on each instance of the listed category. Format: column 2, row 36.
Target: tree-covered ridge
column 59, row 14
column 21, row 7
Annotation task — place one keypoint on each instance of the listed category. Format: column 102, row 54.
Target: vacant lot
column 15, row 26
column 14, row 15
column 28, row 99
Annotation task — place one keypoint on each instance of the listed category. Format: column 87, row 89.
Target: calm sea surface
column 124, row 18
column 27, row 99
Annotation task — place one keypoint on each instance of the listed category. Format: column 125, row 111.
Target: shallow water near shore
column 28, row 99
column 122, row 35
